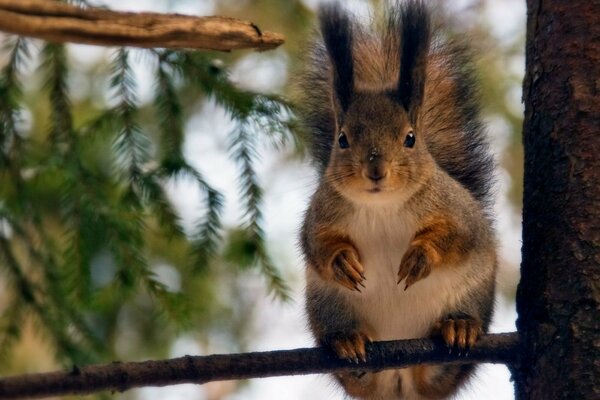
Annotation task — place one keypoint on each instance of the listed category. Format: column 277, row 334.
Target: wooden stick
column 60, row 22
column 121, row 376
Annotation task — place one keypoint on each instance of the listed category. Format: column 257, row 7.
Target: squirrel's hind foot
column 461, row 331
column 349, row 346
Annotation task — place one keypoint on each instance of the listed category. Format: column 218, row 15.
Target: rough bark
column 558, row 299
column 59, row 22
column 120, row 376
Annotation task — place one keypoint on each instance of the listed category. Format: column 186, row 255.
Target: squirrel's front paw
column 349, row 345
column 414, row 266
column 346, row 269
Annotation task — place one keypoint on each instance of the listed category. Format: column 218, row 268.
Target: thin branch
column 60, row 22
column 121, row 376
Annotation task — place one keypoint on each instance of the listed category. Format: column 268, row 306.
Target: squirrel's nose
column 375, row 172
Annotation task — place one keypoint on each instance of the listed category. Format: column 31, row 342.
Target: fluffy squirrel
column 398, row 238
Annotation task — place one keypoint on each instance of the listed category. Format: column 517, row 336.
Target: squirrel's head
column 378, row 151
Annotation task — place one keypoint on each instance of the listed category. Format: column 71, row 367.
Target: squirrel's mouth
column 374, row 190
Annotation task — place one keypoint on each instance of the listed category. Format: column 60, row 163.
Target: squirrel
column 398, row 238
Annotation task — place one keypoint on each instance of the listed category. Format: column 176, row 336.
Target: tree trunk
column 558, row 299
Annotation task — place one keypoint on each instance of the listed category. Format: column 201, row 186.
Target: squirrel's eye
column 409, row 141
column 343, row 141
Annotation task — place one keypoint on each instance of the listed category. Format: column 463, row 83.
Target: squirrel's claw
column 414, row 266
column 349, row 346
column 459, row 332
column 347, row 269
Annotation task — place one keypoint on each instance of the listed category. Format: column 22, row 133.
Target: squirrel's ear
column 336, row 29
column 415, row 32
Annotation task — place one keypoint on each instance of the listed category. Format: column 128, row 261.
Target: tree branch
column 121, row 376
column 59, row 22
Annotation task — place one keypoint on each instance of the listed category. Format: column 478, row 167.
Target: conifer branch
column 243, row 149
column 59, row 22
column 100, row 213
column 121, row 376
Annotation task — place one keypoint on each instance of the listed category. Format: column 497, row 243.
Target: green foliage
column 83, row 203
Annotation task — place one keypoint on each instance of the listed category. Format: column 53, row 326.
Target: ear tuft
column 414, row 24
column 336, row 28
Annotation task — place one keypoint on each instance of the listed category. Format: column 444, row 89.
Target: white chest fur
column 383, row 309
column 382, row 236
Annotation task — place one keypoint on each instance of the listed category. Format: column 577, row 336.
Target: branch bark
column 60, row 22
column 121, row 376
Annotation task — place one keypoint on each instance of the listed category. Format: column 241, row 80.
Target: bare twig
column 60, row 22
column 121, row 376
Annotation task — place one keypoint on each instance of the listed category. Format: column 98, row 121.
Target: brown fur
column 426, row 188
column 435, row 382
column 450, row 112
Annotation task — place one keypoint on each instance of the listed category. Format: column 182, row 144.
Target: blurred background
column 150, row 199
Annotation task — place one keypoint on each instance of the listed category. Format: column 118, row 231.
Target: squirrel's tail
column 454, row 132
